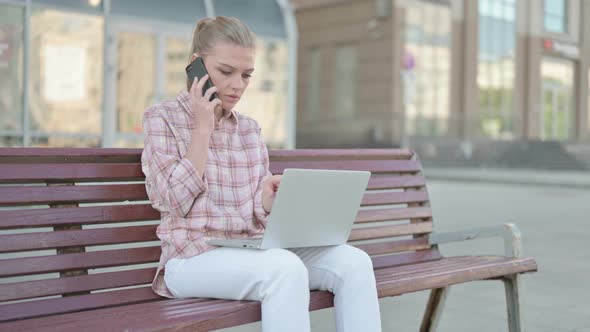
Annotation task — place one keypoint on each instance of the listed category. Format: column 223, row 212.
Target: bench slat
column 396, row 181
column 379, row 232
column 172, row 308
column 67, row 262
column 71, row 194
column 134, row 155
column 71, row 304
column 393, row 282
column 376, row 182
column 388, row 247
column 397, row 259
column 348, row 154
column 193, row 314
column 90, row 282
column 76, row 216
column 433, row 266
column 139, row 212
column 371, row 198
column 17, row 173
column 7, row 154
column 393, row 214
column 134, row 192
column 75, row 238
column 105, row 171
column 404, row 166
column 116, row 235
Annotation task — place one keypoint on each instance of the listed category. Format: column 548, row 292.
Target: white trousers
column 281, row 280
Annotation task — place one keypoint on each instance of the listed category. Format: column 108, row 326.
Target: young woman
column 206, row 169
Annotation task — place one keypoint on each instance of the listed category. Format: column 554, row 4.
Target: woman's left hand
column 269, row 191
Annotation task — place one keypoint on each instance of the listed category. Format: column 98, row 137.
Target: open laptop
column 312, row 208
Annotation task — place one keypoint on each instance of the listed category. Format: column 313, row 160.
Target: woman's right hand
column 203, row 109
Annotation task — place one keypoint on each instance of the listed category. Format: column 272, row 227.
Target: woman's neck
column 219, row 112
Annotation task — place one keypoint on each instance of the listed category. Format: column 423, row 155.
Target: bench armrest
column 510, row 233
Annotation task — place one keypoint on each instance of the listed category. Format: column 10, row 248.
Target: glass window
column 136, row 74
column 176, row 60
column 66, row 76
column 345, row 79
column 558, row 93
column 11, row 69
column 11, row 141
column 81, row 4
column 555, row 15
column 179, row 11
column 266, row 97
column 74, row 141
column 499, row 9
column 426, row 68
column 264, row 17
column 145, row 55
column 495, row 77
column 130, row 142
column 314, row 84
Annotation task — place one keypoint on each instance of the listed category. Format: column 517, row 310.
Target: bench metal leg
column 511, row 284
column 434, row 309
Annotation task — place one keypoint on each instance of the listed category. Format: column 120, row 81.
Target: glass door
column 556, row 120
column 148, row 63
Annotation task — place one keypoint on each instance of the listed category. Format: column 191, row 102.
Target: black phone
column 197, row 69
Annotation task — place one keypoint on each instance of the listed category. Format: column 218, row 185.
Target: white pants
column 281, row 280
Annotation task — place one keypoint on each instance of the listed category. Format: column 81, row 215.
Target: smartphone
column 197, row 69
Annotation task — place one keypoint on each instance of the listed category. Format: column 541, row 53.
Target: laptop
column 312, row 208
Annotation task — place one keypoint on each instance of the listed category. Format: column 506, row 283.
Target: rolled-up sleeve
column 260, row 215
column 172, row 182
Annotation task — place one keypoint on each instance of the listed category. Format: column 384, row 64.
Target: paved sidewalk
column 554, row 225
column 541, row 203
column 512, row 176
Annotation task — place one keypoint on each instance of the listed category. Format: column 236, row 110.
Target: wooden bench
column 68, row 265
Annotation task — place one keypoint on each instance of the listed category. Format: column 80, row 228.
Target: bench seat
column 207, row 314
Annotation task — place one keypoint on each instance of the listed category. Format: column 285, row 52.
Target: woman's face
column 230, row 67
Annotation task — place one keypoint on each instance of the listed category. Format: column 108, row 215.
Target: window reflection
column 314, row 84
column 11, row 69
column 66, row 79
column 426, row 73
column 495, row 77
column 65, row 141
column 129, row 143
column 11, row 141
column 557, row 117
column 345, row 79
column 266, row 97
column 82, row 4
column 555, row 15
column 65, row 74
column 135, row 78
column 176, row 60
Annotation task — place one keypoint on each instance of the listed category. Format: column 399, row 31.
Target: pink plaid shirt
column 225, row 202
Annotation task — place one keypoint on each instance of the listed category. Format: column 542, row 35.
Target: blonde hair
column 210, row 31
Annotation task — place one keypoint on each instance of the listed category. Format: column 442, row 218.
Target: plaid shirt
column 225, row 202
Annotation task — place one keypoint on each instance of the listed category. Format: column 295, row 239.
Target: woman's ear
column 194, row 56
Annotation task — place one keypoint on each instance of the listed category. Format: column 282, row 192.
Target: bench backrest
column 77, row 231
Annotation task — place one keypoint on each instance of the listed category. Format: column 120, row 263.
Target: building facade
column 453, row 78
column 433, row 73
column 80, row 73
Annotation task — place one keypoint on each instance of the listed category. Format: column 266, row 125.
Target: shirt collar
column 184, row 99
